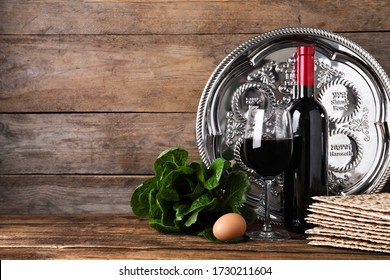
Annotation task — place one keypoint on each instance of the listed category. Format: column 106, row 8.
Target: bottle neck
column 305, row 71
column 304, row 91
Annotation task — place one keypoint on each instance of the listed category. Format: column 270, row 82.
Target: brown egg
column 229, row 226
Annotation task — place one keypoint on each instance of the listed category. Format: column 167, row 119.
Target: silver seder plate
column 350, row 84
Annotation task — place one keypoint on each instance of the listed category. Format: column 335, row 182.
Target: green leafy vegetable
column 189, row 197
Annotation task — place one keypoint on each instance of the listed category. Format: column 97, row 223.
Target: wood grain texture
column 125, row 237
column 153, row 73
column 107, row 73
column 70, row 194
column 91, row 143
column 188, row 17
column 67, row 194
column 92, row 91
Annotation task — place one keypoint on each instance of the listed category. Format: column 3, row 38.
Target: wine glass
column 268, row 151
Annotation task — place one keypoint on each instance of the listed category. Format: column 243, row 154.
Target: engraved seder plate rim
column 209, row 132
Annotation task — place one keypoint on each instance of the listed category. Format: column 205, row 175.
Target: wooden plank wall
column 92, row 91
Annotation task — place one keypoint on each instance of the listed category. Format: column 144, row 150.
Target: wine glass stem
column 267, row 225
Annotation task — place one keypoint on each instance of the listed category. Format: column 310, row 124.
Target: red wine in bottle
column 307, row 173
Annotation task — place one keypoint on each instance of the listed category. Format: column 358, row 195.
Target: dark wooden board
column 188, row 17
column 107, row 73
column 91, row 143
column 68, row 194
column 77, row 73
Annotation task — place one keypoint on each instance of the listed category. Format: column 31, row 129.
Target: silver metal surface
column 350, row 84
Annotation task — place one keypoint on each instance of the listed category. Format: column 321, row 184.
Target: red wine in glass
column 267, row 150
column 279, row 150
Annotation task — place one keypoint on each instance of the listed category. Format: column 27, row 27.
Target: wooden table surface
column 127, row 237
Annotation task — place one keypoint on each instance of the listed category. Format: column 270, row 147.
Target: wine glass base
column 267, row 235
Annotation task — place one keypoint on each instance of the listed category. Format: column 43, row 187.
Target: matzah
column 346, row 243
column 351, row 234
column 377, row 202
column 347, row 217
column 355, row 222
column 350, row 211
column 331, row 222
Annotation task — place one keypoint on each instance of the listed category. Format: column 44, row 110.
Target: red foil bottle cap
column 305, row 66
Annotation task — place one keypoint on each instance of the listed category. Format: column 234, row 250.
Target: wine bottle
column 307, row 173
